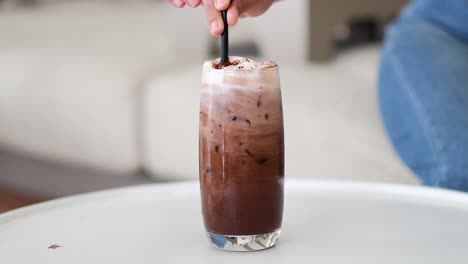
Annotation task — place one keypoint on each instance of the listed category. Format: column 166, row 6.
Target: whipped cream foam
column 239, row 64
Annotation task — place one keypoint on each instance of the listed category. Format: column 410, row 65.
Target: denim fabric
column 423, row 90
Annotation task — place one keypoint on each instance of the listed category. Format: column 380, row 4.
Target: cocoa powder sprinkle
column 218, row 65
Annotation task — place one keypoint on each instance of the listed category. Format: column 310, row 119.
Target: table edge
column 299, row 185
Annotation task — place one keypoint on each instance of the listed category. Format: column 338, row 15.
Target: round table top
column 324, row 222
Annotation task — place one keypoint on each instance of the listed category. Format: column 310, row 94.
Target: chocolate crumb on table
column 54, row 246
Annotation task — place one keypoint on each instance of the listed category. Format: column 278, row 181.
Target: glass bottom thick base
column 244, row 243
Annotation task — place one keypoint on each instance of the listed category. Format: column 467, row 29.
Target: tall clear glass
column 241, row 154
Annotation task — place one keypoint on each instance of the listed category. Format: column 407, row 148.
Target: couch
column 99, row 94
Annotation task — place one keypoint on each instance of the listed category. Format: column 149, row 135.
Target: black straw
column 225, row 40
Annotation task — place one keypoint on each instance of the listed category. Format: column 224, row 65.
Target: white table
column 324, row 222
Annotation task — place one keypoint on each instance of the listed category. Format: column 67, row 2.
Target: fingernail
column 178, row 2
column 218, row 3
column 192, row 3
column 214, row 26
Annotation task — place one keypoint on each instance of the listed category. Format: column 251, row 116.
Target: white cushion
column 72, row 74
column 170, row 118
column 332, row 124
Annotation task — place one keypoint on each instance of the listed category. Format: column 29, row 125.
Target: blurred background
column 104, row 93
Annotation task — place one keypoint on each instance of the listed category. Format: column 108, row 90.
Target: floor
column 33, row 175
column 10, row 199
column 26, row 180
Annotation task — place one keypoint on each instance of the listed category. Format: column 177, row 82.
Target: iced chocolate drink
column 241, row 154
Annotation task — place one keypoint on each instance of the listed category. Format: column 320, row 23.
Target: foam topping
column 239, row 64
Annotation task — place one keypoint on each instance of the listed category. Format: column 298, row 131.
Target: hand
column 236, row 9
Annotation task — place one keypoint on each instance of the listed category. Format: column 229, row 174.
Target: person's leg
column 423, row 91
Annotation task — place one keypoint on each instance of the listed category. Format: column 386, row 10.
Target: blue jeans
column 423, row 90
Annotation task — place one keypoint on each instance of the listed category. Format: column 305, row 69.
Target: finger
column 177, row 3
column 222, row 4
column 214, row 18
column 232, row 14
column 193, row 3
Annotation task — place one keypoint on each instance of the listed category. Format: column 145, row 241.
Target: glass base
column 244, row 243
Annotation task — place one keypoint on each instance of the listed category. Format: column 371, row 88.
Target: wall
column 281, row 33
